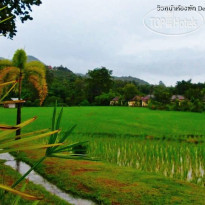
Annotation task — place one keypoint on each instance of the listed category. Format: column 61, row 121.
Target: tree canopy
column 14, row 8
column 33, row 73
column 99, row 81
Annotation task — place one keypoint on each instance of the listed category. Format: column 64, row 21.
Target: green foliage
column 32, row 75
column 162, row 95
column 99, row 81
column 130, row 90
column 19, row 59
column 84, row 103
column 104, row 98
column 55, row 147
column 15, row 9
column 5, row 63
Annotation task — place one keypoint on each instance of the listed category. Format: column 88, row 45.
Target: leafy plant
column 61, row 148
column 54, row 147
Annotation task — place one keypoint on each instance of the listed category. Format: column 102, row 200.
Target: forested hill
column 123, row 78
column 29, row 58
column 32, row 58
column 63, row 72
column 131, row 79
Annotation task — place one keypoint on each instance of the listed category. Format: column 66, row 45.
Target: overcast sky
column 85, row 34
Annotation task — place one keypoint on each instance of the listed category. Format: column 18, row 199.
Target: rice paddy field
column 168, row 143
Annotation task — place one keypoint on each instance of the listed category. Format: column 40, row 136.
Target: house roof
column 12, row 102
column 136, row 98
column 14, row 99
column 116, row 99
column 148, row 97
column 178, row 97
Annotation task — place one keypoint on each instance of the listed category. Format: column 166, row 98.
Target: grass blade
column 23, row 124
column 8, row 127
column 30, row 148
column 54, row 136
column 53, row 125
column 17, row 142
column 66, row 134
column 70, row 146
column 16, row 202
column 28, row 172
column 74, row 157
column 32, row 133
column 24, row 195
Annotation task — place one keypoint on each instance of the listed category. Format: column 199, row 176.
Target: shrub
column 84, row 103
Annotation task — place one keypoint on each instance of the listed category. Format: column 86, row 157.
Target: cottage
column 179, row 98
column 12, row 103
column 115, row 101
column 146, row 100
column 135, row 102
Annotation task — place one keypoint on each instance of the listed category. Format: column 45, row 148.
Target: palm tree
column 18, row 69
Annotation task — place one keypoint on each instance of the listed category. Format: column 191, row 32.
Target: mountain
column 29, row 59
column 64, row 72
column 123, row 78
column 131, row 79
column 32, row 58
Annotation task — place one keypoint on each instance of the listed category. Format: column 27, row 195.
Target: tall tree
column 99, row 81
column 17, row 69
column 130, row 90
column 162, row 94
column 15, row 8
column 183, row 86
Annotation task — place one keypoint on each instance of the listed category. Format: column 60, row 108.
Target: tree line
column 98, row 87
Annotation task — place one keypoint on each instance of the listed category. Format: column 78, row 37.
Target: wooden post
column 18, row 120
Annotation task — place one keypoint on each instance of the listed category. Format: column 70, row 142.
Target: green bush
column 84, row 103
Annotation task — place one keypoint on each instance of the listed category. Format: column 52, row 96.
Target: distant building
column 179, row 98
column 115, row 101
column 12, row 103
column 146, row 100
column 135, row 101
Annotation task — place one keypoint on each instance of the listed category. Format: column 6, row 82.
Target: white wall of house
column 11, row 106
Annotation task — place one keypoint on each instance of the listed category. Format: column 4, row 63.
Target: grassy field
column 167, row 143
column 118, row 121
